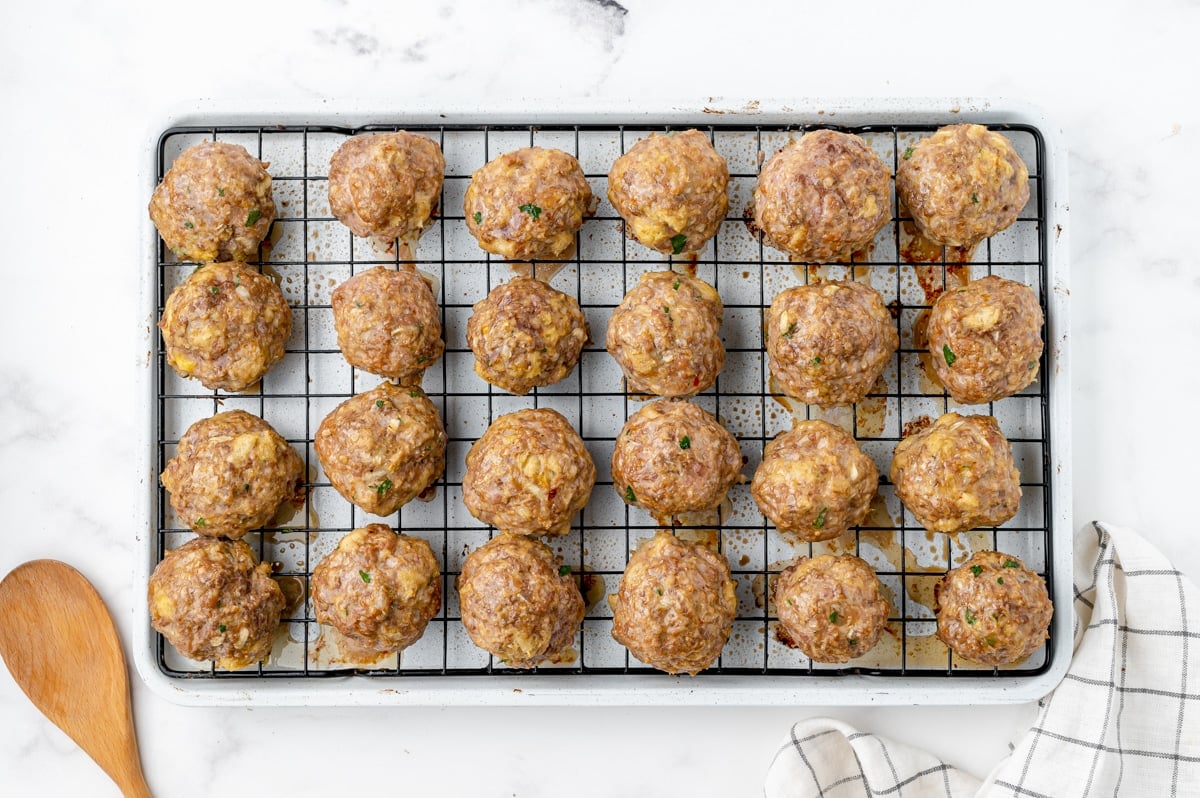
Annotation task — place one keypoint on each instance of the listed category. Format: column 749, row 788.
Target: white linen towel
column 1124, row 722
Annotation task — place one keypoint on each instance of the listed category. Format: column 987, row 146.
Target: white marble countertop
column 82, row 84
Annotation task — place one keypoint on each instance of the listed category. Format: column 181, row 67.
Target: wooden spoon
column 60, row 644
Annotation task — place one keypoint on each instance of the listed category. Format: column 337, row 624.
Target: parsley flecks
column 974, row 198
column 969, row 616
column 833, row 617
column 366, row 577
column 564, row 570
column 246, row 487
column 253, row 217
column 532, row 210
column 658, row 590
column 678, row 243
column 1011, row 564
column 791, row 603
column 1032, row 365
column 478, row 217
column 214, row 289
column 667, row 309
column 414, row 394
column 790, row 329
column 220, row 192
column 999, row 580
column 189, row 225
column 379, row 403
column 629, row 495
column 676, row 285
column 820, row 522
column 816, row 361
column 908, row 153
column 221, row 628
column 976, row 570
column 201, row 522
column 422, row 359
column 950, row 356
column 685, row 442
column 852, row 641
column 382, row 487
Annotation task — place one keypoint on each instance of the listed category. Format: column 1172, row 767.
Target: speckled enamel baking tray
column 309, row 253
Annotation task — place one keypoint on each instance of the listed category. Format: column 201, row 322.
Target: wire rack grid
column 309, row 253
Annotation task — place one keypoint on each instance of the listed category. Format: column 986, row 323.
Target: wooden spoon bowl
column 58, row 640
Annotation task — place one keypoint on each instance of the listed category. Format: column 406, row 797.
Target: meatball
column 519, row 602
column 822, row 197
column 666, row 335
column 528, row 474
column 383, row 448
column 378, row 588
column 212, row 600
column 214, row 203
column 386, row 185
column 388, row 323
column 230, row 473
column 827, row 343
column 528, row 204
column 831, row 607
column 673, row 457
column 957, row 474
column 814, row 482
column 671, row 191
column 986, row 339
column 962, row 184
column 525, row 335
column 226, row 325
column 992, row 609
column 675, row 606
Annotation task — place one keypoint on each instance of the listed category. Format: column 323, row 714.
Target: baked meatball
column 962, row 184
column 518, row 601
column 986, row 339
column 827, row 343
column 528, row 474
column 214, row 203
column 673, row 457
column 383, row 448
column 230, row 473
column 822, row 196
column 386, row 185
column 666, row 335
column 814, row 482
column 528, row 204
column 225, row 325
column 671, row 191
column 525, row 335
column 213, row 600
column 388, row 323
column 378, row 588
column 675, row 606
column 831, row 607
column 992, row 609
column 957, row 474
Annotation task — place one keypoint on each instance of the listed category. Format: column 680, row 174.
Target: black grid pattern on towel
column 309, row 251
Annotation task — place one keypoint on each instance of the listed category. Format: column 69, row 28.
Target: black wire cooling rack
column 309, row 252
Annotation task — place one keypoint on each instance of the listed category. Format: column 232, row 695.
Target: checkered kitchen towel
column 1124, row 722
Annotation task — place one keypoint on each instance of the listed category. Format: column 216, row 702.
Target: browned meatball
column 672, row 457
column 992, row 609
column 230, row 473
column 986, row 339
column 519, row 601
column 378, row 588
column 386, row 185
column 226, row 325
column 675, row 606
column 528, row 474
column 525, row 334
column 671, row 191
column 528, row 204
column 388, row 323
column 962, row 184
column 957, row 474
column 213, row 600
column 827, row 343
column 832, row 608
column 666, row 335
column 383, row 448
column 822, row 197
column 814, row 482
column 214, row 203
